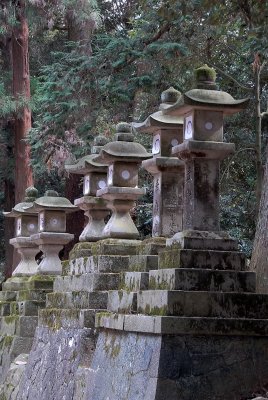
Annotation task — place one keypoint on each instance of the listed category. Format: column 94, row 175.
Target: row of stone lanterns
column 187, row 149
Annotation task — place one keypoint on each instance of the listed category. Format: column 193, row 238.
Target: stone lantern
column 52, row 236
column 168, row 171
column 124, row 157
column 203, row 110
column 95, row 178
column 26, row 223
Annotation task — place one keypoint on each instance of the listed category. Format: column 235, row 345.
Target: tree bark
column 259, row 260
column 21, row 89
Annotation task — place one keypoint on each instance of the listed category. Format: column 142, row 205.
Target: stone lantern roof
column 52, row 201
column 206, row 96
column 85, row 165
column 159, row 119
column 25, row 207
column 89, row 163
column 124, row 148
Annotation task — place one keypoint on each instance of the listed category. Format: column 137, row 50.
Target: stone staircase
column 203, row 305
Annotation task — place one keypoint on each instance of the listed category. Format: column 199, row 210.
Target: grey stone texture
column 53, row 369
column 136, row 366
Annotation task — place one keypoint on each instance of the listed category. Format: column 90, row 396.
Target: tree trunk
column 21, row 89
column 259, row 260
column 258, row 140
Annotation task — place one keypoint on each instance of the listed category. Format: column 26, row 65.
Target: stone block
column 77, row 299
column 18, row 325
column 28, row 283
column 121, row 301
column 203, row 304
column 33, row 295
column 88, row 282
column 207, row 259
column 26, row 308
column 8, row 295
column 152, row 246
column 134, row 281
column 109, row 320
column 56, row 319
column 194, row 239
column 142, row 263
column 202, row 280
column 4, row 308
column 116, row 247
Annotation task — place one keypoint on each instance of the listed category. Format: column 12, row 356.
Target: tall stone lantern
column 95, row 178
column 203, row 110
column 26, row 223
column 52, row 236
column 123, row 157
column 168, row 171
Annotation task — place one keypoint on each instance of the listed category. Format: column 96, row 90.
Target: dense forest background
column 72, row 69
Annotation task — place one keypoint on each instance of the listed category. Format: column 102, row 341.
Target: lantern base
column 27, row 250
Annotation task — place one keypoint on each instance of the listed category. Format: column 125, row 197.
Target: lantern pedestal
column 96, row 210
column 122, row 200
column 168, row 175
column 27, row 250
column 51, row 244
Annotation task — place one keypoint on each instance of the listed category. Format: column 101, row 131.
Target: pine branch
column 246, row 88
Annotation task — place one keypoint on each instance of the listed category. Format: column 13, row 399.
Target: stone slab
column 18, row 325
column 88, row 282
column 142, row 263
column 134, row 281
column 56, row 319
column 28, row 283
column 194, row 239
column 77, row 299
column 26, row 308
column 172, row 325
column 203, row 304
column 122, row 301
column 202, row 280
column 208, row 259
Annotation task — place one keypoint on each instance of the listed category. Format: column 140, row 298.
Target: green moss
column 158, row 311
column 120, row 294
column 41, row 278
column 205, row 73
column 65, row 267
column 10, row 319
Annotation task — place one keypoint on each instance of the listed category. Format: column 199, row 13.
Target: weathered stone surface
column 203, row 304
column 151, row 367
column 172, row 325
column 134, row 281
column 18, row 325
column 53, row 363
column 208, row 259
column 87, row 282
column 28, row 283
column 202, row 279
column 143, row 262
column 55, row 318
column 123, row 367
column 121, row 301
column 201, row 239
column 77, row 299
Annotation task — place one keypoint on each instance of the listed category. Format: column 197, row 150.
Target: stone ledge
column 182, row 325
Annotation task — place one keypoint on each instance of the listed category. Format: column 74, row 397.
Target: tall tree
column 21, row 91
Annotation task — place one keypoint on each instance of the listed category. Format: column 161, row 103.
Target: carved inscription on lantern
column 188, row 195
column 157, row 207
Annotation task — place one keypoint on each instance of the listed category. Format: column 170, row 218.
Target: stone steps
column 202, row 304
column 88, row 282
column 77, row 300
column 206, row 259
column 202, row 280
column 55, row 318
